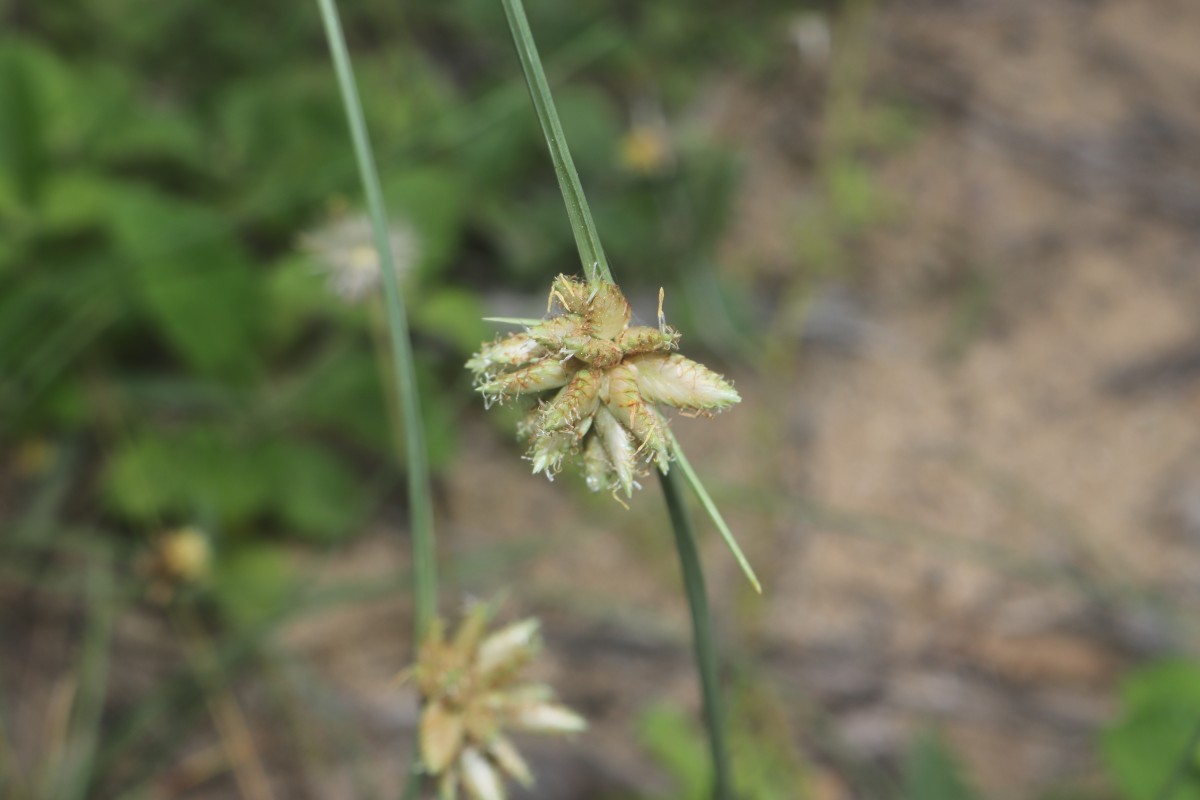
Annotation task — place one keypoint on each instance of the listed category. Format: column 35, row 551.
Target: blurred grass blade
column 702, row 636
column 595, row 265
column 417, row 458
column 77, row 770
column 711, row 507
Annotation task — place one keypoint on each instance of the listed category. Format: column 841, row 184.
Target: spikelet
column 507, row 353
column 607, row 313
column 536, row 377
column 631, row 410
column 598, row 470
column 553, row 332
column 619, row 451
column 574, row 402
column 547, row 451
column 677, row 381
column 571, row 294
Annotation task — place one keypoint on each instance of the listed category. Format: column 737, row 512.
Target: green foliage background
column 158, row 167
column 170, row 353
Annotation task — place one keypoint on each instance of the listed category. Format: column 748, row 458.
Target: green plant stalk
column 595, row 265
column 702, row 636
column 706, row 500
column 420, row 497
column 596, row 268
column 416, row 456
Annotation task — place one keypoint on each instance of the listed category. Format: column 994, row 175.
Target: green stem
column 595, row 265
column 681, row 460
column 706, row 653
column 412, row 781
column 417, row 460
column 420, row 497
column 596, row 268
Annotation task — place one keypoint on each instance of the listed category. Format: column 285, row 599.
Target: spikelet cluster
column 471, row 695
column 610, row 379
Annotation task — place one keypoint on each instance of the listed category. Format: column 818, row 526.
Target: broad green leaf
column 80, row 198
column 285, row 129
column 153, row 133
column 316, row 496
column 198, row 472
column 192, row 279
column 1154, row 739
column 346, row 395
column 23, row 156
column 252, row 583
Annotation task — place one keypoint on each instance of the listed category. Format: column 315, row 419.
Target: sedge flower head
column 610, row 380
column 472, row 695
column 345, row 251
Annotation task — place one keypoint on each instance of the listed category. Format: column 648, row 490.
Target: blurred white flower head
column 473, row 695
column 812, row 37
column 344, row 249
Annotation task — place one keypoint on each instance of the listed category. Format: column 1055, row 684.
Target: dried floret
column 471, row 693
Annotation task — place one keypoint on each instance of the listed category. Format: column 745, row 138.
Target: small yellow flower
column 646, row 150
column 180, row 557
column 611, row 379
column 471, row 695
column 34, row 457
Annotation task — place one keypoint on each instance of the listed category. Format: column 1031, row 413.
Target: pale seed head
column 345, row 250
column 612, row 378
column 471, row 693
